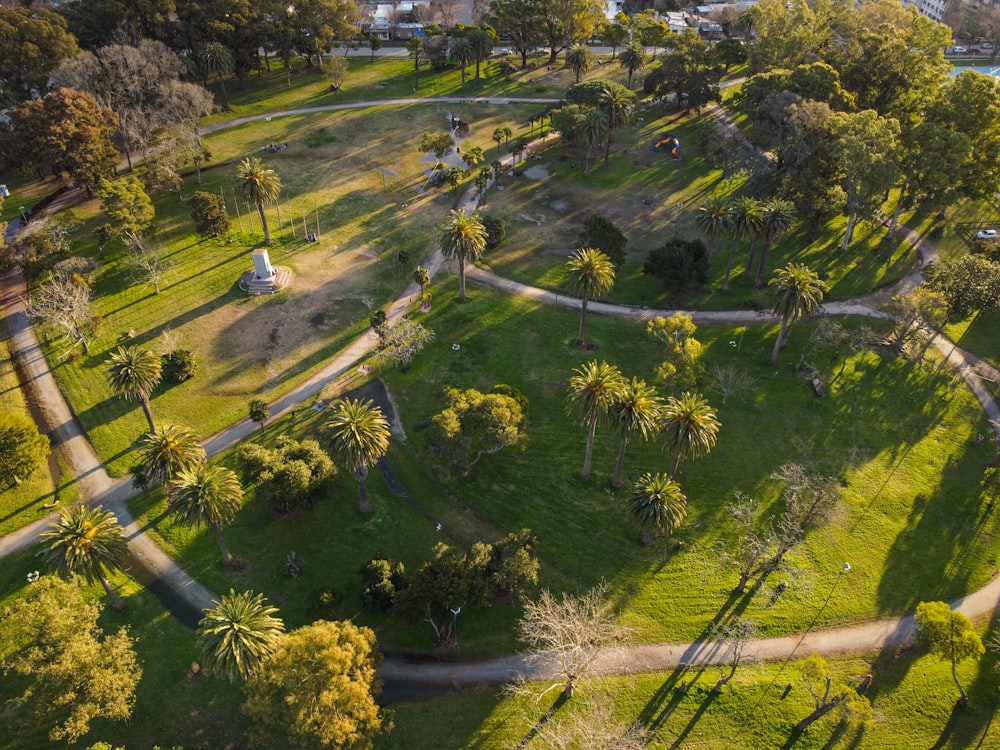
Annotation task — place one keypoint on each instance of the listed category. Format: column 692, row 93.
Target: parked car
column 986, row 234
column 503, row 52
column 959, row 50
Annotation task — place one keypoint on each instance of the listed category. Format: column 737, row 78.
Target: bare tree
column 64, row 305
column 809, row 502
column 148, row 266
column 734, row 636
column 573, row 630
column 590, row 725
column 731, row 380
column 755, row 546
column 400, row 340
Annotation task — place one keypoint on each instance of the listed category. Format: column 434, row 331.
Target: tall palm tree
column 463, row 53
column 357, row 436
column 713, row 219
column 217, row 58
column 617, row 103
column 579, row 58
column 133, row 373
column 238, row 635
column 258, row 184
column 87, row 541
column 209, row 495
column 779, row 216
column 689, row 427
column 482, row 46
column 593, row 131
column 633, row 58
column 745, row 218
column 592, row 390
column 795, row 291
column 657, row 505
column 166, row 452
column 463, row 238
column 635, row 412
column 592, row 275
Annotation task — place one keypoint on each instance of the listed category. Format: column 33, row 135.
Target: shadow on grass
column 693, row 722
column 540, row 724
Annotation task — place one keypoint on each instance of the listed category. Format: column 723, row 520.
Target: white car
column 959, row 50
column 986, row 234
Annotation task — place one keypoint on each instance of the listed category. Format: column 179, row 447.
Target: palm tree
column 593, row 275
column 217, row 58
column 87, row 541
column 133, row 374
column 689, row 426
column 617, row 103
column 258, row 184
column 464, row 238
column 713, row 219
column 592, row 130
column 482, row 46
column 238, row 635
column 745, row 217
column 358, row 436
column 463, row 53
column 779, row 215
column 636, row 412
column 507, row 133
column 166, row 452
column 795, row 292
column 579, row 58
column 633, row 58
column 498, row 137
column 209, row 495
column 592, row 390
column 657, row 505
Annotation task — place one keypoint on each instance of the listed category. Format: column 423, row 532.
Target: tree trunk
column 116, row 601
column 777, row 343
column 570, row 687
column 732, row 259
column 587, row 459
column 616, row 481
column 963, row 697
column 365, row 505
column 819, row 713
column 607, row 148
column 852, row 219
column 227, row 557
column 890, row 235
column 225, row 95
column 674, row 464
column 763, row 262
column 148, row 412
column 580, row 340
column 461, row 278
column 263, row 222
column 750, row 255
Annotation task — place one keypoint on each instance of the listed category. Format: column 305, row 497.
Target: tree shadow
column 705, row 705
column 540, row 724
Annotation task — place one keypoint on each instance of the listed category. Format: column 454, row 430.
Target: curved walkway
column 96, row 487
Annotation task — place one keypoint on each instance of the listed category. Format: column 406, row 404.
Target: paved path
column 97, row 488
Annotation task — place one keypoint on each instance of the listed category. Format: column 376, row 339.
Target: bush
column 288, row 476
column 679, row 263
column 496, row 231
column 208, row 212
column 178, row 366
column 381, row 580
column 600, row 233
column 508, row 390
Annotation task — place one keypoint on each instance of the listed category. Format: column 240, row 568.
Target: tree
column 795, row 292
column 133, row 373
column 679, row 263
column 519, row 20
column 592, row 274
column 126, row 204
column 592, row 725
column 35, row 40
column 337, row 70
column 580, row 59
column 970, row 284
column 657, row 505
column 463, row 238
column 589, row 126
column 920, row 306
column 374, row 44
column 949, row 635
column 317, row 690
column 777, row 219
column 238, row 635
column 415, row 47
column 482, row 39
column 217, row 59
column 809, row 500
column 714, row 219
column 729, row 51
column 357, row 437
column 22, row 448
column 618, row 104
column 600, row 233
column 167, row 451
column 258, row 411
column 207, row 495
column 208, row 212
column 75, row 671
column 593, row 390
column 636, row 411
column 572, row 629
column 735, row 635
column 633, row 58
column 681, row 367
column 400, row 340
column 422, row 276
column 689, row 72
column 64, row 305
column 754, row 546
column 498, row 136
column 258, row 185
column 689, row 428
column 746, row 219
column 89, row 542
column 473, row 425
column 292, row 474
column 827, row 695
column 439, row 145
column 463, row 53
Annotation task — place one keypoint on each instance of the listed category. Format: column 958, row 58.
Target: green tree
column 593, row 390
column 729, row 51
column 318, row 689
column 238, row 635
column 689, row 428
column 713, row 219
column 615, row 33
column 289, row 475
column 657, row 505
column 472, row 156
column 423, row 277
column 415, row 47
column 746, row 219
column 777, row 219
column 970, row 284
column 633, row 58
column 618, row 104
column 828, row 695
column 439, row 145
column 22, row 448
column 498, row 137
column 207, row 495
column 681, row 368
column 463, row 238
column 482, row 39
column 580, row 59
column 590, row 128
column 374, row 44
column 258, row 185
column 133, row 373
column 949, row 635
column 636, row 411
column 217, row 59
column 688, row 71
column 89, row 542
column 795, row 292
column 166, row 451
column 600, row 233
column 473, row 425
column 919, row 306
column 126, row 204
column 357, row 436
column 258, row 411
column 592, row 274
column 35, row 40
column 208, row 212
column 463, row 53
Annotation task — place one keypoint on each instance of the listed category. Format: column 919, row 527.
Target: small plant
column 496, row 231
column 259, row 412
column 294, row 566
column 381, row 581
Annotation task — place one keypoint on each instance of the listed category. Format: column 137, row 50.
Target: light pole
column 24, row 217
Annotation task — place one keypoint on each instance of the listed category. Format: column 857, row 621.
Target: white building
column 933, row 9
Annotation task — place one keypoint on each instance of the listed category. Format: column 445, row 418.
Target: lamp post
column 24, row 217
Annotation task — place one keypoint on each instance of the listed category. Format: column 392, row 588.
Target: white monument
column 262, row 265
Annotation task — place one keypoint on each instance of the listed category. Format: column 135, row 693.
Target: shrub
column 208, row 212
column 600, row 233
column 293, row 474
column 496, row 231
column 508, row 390
column 381, row 580
column 679, row 263
column 179, row 365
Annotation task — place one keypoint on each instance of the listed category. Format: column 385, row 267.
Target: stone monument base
column 251, row 284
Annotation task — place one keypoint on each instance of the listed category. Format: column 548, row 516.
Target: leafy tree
column 133, row 373
column 472, row 156
column 179, row 366
column 239, row 635
column 592, row 274
column 422, row 276
column 463, row 53
column 828, row 695
column 689, row 428
column 593, row 390
column 681, row 367
column 746, row 220
column 636, row 411
column 258, row 411
column 580, row 59
column 600, row 233
column 337, row 70
column 473, row 425
column 498, row 136
column 679, row 263
column 217, row 59
column 657, row 505
column 258, row 185
column 920, row 306
column 374, row 44
column 126, row 204
column 615, row 33
column 463, row 238
column 795, row 291
column 729, row 51
column 76, row 671
column 713, row 219
column 88, row 542
column 949, row 635
column 618, row 105
column 35, row 40
column 496, row 231
column 208, row 212
column 589, row 126
column 415, row 47
column 777, row 219
column 519, row 20
column 22, row 448
column 382, row 581
column 289, row 475
column 439, row 145
column 207, row 495
column 633, row 58
column 357, row 436
column 970, row 284
column 166, row 451
column 317, row 690
column 688, row 71
column 482, row 39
